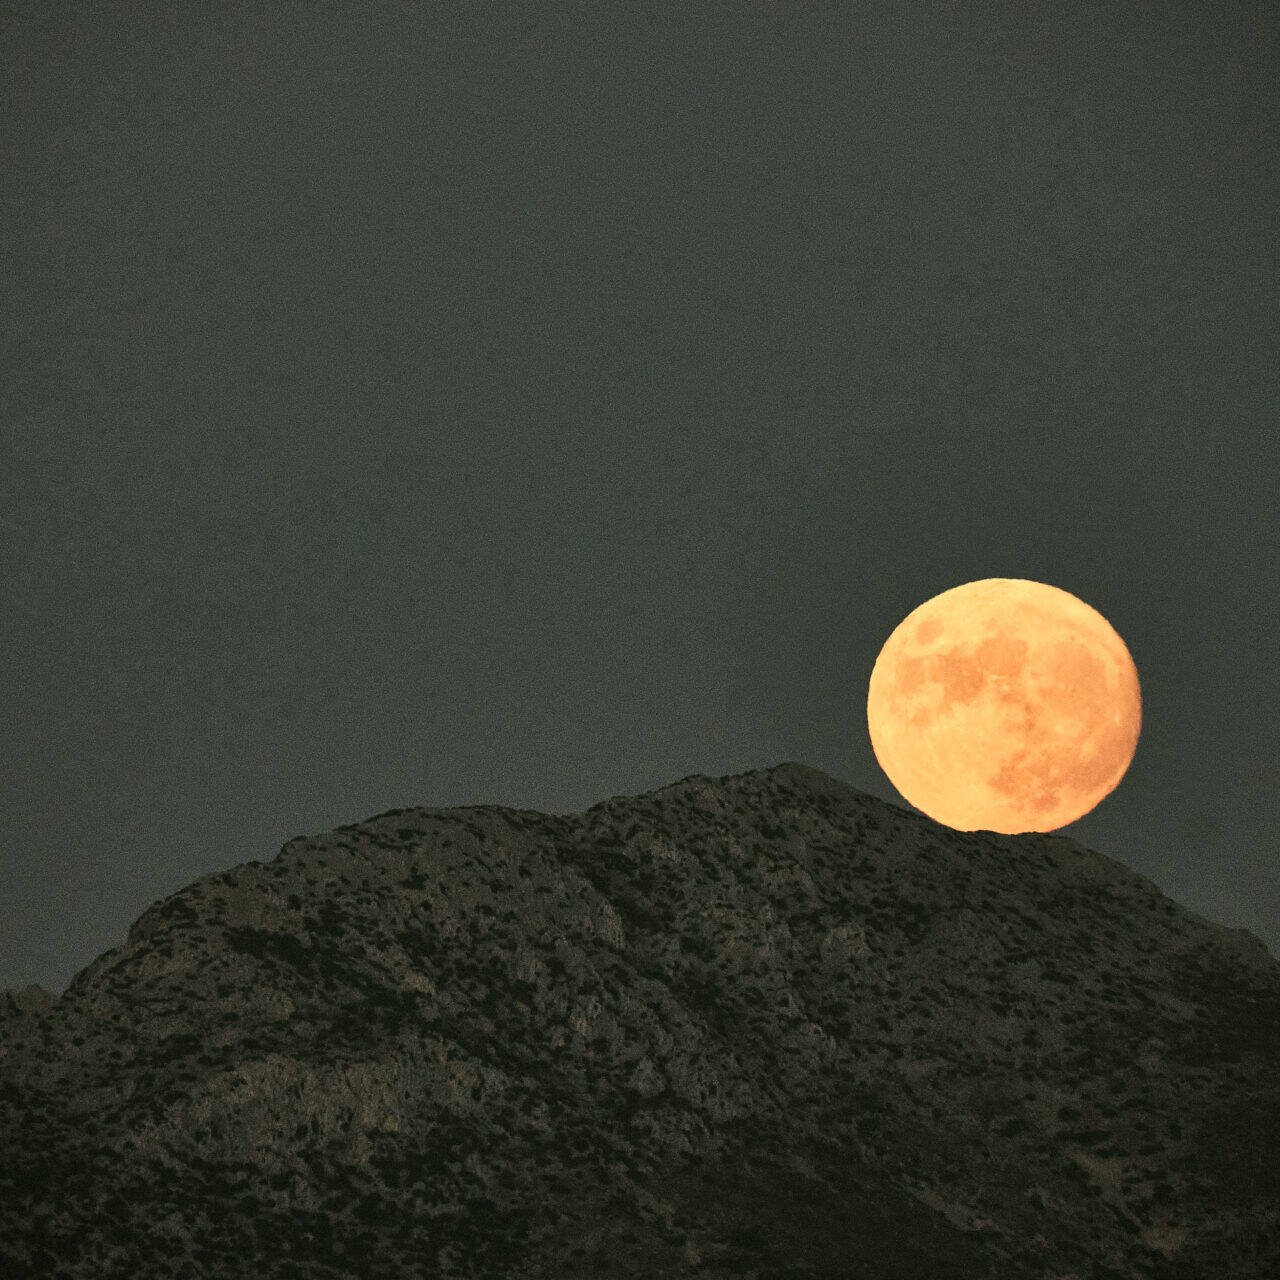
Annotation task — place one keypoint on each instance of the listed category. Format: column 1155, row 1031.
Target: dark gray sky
column 420, row 403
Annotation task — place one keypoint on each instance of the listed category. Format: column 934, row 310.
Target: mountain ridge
column 752, row 1026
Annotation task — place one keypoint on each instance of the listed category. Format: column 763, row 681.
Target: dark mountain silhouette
column 756, row 1026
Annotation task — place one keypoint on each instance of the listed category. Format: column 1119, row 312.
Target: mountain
column 754, row 1026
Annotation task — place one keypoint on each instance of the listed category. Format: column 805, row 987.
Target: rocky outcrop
column 21, row 1017
column 755, row 1026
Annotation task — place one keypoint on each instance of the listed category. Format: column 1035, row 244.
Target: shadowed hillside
column 756, row 1026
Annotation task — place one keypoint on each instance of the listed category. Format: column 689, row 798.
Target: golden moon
column 1004, row 705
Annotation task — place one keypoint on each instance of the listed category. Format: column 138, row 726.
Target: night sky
column 441, row 404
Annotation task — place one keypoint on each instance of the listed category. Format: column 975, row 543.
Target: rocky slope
column 756, row 1026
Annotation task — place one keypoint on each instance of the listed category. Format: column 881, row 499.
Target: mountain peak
column 755, row 1025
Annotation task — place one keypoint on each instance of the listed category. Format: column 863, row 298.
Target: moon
column 1004, row 705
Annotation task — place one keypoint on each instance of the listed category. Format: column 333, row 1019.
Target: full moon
column 1004, row 705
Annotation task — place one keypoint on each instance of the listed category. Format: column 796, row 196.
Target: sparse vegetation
column 760, row 1026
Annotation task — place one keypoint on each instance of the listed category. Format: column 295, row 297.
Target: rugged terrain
column 755, row 1026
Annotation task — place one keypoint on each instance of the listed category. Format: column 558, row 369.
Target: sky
column 434, row 404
